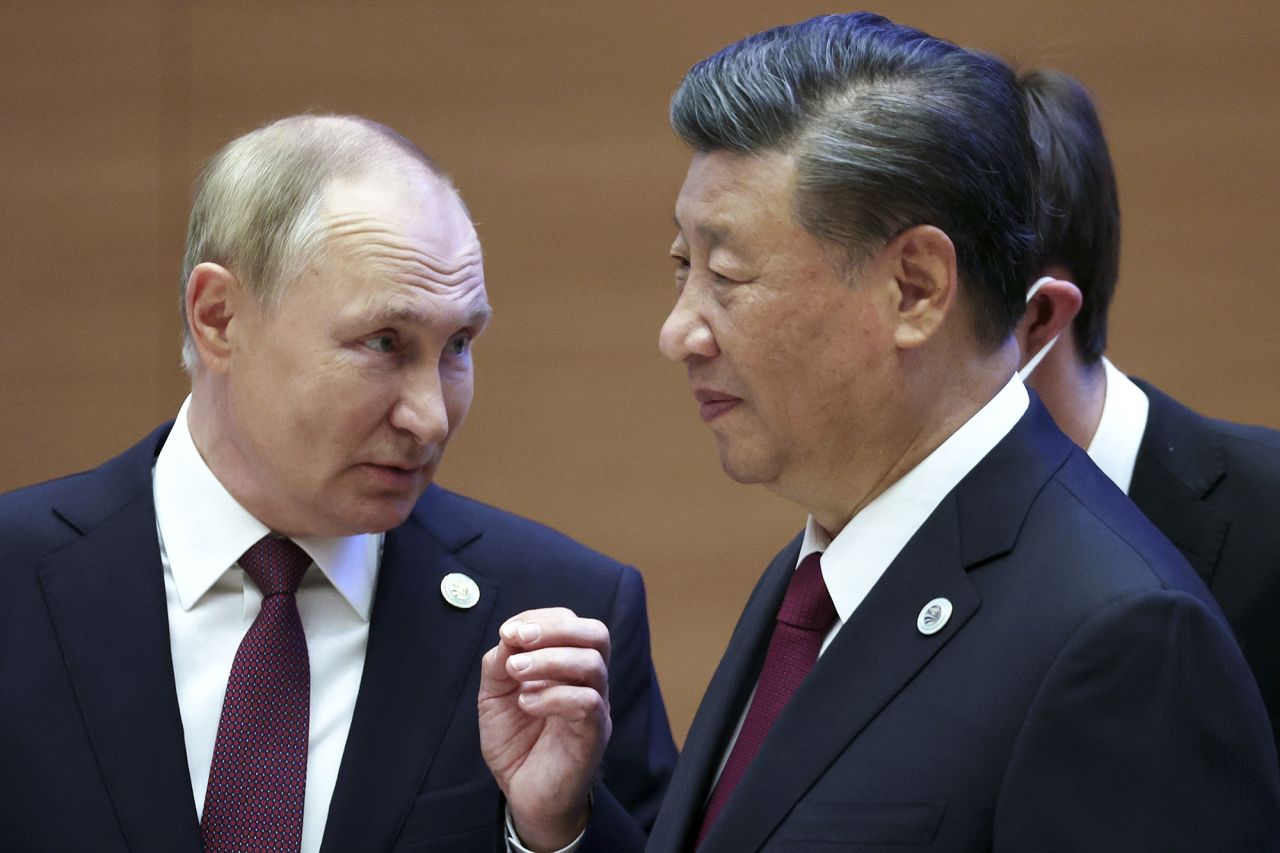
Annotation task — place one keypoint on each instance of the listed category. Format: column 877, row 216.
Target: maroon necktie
column 804, row 618
column 257, row 781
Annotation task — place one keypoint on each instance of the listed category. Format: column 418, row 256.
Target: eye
column 459, row 345
column 682, row 269
column 725, row 279
column 384, row 343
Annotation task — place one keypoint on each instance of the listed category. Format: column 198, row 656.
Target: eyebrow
column 410, row 315
column 479, row 315
column 713, row 234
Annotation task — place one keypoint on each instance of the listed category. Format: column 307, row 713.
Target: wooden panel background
column 550, row 114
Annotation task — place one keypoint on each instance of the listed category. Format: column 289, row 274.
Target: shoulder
column 520, row 549
column 1255, row 448
column 1172, row 421
column 1113, row 595
column 448, row 514
column 40, row 517
column 27, row 518
column 1233, row 468
column 1083, row 524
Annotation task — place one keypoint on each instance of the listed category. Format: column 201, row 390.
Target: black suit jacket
column 91, row 747
column 1085, row 694
column 1213, row 488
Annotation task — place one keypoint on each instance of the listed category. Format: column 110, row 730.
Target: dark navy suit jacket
column 91, row 748
column 1213, row 488
column 1085, row 695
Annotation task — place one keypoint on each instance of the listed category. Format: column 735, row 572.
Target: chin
column 742, row 469
column 374, row 517
column 387, row 518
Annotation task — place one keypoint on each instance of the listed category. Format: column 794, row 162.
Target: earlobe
column 924, row 262
column 214, row 294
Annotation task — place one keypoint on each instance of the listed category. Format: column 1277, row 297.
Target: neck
column 200, row 418
column 1072, row 390
column 204, row 419
column 949, row 393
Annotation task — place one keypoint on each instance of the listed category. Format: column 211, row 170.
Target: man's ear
column 1049, row 313
column 922, row 262
column 214, row 296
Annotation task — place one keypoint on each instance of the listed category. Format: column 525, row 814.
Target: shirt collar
column 205, row 530
column 855, row 559
column 1115, row 443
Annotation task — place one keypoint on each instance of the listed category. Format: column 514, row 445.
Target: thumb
column 494, row 678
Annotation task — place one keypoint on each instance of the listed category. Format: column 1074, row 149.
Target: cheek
column 458, row 389
column 340, row 405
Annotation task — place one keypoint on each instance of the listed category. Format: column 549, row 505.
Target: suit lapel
column 880, row 650
column 106, row 600
column 681, row 814
column 421, row 651
column 877, row 652
column 1179, row 462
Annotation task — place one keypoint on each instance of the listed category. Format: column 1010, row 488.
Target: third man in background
column 1210, row 486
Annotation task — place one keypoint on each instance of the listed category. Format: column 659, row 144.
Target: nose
column 686, row 333
column 421, row 410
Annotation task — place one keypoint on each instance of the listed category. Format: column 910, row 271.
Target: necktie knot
column 276, row 565
column 807, row 603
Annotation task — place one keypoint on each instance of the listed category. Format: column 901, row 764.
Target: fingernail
column 529, row 631
column 528, row 699
column 520, row 662
column 508, row 630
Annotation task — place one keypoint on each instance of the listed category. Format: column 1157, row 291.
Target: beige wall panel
column 551, row 118
column 80, row 142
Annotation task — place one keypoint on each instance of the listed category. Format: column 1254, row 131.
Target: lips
column 713, row 404
column 395, row 476
column 408, row 468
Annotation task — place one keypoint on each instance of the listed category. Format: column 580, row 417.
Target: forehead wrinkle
column 371, row 238
column 405, row 260
column 421, row 270
column 712, row 231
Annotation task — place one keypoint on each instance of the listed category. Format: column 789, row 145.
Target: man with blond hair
column 261, row 627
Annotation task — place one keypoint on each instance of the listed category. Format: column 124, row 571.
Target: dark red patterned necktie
column 257, row 781
column 804, row 618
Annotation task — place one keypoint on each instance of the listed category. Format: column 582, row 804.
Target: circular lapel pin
column 934, row 616
column 459, row 590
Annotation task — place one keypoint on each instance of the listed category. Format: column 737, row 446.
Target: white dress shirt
column 211, row 604
column 1114, row 447
column 860, row 554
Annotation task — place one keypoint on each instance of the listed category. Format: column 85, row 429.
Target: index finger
column 555, row 626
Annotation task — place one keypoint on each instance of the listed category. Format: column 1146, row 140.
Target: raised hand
column 544, row 720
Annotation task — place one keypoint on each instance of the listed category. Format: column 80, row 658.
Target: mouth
column 713, row 404
column 395, row 476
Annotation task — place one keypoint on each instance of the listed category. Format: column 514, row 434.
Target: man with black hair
column 977, row 643
column 1206, row 483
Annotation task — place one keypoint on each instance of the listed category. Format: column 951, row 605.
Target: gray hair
column 889, row 128
column 257, row 202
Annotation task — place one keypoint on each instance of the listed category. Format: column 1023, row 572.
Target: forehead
column 404, row 227
column 725, row 193
column 406, row 203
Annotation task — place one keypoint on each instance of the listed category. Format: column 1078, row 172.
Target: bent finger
column 565, row 665
column 556, row 627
